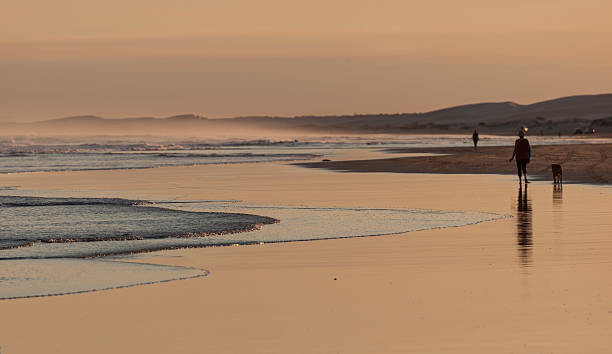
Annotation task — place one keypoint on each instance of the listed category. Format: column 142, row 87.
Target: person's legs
column 518, row 169
column 525, row 171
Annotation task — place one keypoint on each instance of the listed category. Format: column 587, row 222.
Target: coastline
column 582, row 163
column 497, row 286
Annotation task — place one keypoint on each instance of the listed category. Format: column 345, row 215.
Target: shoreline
column 518, row 284
column 582, row 163
column 442, row 290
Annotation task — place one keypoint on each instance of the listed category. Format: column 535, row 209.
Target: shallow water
column 35, row 226
column 116, row 153
column 105, row 226
column 82, row 161
column 32, row 220
column 49, row 277
column 113, row 231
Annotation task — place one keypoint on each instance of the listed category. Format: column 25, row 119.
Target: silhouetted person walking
column 522, row 151
column 475, row 138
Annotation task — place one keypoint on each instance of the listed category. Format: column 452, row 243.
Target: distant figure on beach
column 475, row 138
column 522, row 152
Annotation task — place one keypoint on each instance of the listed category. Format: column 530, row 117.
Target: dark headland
column 558, row 116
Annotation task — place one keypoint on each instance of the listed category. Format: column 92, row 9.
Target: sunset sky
column 270, row 57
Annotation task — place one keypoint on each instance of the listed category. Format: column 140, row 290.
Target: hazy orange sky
column 271, row 57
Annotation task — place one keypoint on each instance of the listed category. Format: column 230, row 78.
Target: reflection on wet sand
column 557, row 195
column 524, row 231
column 557, row 211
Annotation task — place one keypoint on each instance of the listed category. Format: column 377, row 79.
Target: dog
column 557, row 173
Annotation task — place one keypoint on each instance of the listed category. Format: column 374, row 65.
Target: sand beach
column 582, row 163
column 532, row 281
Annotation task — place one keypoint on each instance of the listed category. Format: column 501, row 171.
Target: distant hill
column 561, row 115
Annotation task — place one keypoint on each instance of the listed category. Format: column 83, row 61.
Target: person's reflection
column 524, row 231
column 557, row 195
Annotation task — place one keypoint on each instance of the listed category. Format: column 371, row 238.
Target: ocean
column 39, row 154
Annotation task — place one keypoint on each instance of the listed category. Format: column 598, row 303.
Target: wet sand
column 582, row 163
column 534, row 282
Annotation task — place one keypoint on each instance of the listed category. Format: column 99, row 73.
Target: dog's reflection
column 524, row 231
